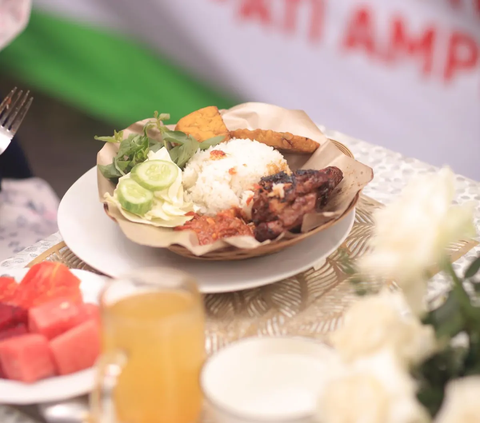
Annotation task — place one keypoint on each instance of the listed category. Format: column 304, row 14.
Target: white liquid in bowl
column 280, row 385
column 268, row 379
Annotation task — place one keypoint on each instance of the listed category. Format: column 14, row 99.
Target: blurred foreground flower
column 413, row 233
column 462, row 402
column 396, row 367
column 375, row 389
column 377, row 322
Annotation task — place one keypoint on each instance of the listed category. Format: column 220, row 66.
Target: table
column 392, row 172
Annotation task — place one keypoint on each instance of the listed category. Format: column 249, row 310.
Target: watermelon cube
column 76, row 349
column 47, row 281
column 90, row 312
column 26, row 358
column 11, row 315
column 54, row 317
column 12, row 331
column 8, row 289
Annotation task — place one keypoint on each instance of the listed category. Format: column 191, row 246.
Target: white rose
column 462, row 402
column 373, row 390
column 377, row 322
column 412, row 233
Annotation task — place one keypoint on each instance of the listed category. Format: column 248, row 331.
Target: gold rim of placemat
column 309, row 304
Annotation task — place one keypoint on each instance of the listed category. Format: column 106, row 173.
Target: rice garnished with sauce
column 223, row 176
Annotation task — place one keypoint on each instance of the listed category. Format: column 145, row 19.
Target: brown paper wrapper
column 252, row 116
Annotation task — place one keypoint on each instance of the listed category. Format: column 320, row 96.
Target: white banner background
column 404, row 74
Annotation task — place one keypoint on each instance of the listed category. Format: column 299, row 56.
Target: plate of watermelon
column 49, row 333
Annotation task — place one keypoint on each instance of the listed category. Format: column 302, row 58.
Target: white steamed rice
column 214, row 184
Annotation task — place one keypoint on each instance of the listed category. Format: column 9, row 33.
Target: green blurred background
column 84, row 86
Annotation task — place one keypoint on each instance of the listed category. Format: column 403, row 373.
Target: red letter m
column 421, row 47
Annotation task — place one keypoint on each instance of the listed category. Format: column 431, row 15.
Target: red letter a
column 361, row 32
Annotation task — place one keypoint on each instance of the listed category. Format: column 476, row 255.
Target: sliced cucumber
column 155, row 175
column 133, row 197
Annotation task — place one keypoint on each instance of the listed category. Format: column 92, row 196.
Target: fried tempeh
column 283, row 141
column 203, row 124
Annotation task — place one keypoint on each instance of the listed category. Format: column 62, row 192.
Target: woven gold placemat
column 310, row 304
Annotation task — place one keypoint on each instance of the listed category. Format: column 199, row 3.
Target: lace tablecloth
column 392, row 172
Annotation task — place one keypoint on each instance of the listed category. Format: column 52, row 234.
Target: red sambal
column 217, row 154
column 224, row 224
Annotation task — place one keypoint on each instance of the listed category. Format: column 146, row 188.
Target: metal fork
column 12, row 111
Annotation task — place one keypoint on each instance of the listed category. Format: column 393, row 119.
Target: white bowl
column 260, row 380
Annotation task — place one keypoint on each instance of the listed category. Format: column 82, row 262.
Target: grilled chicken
column 281, row 200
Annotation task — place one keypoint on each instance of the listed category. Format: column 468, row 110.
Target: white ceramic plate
column 61, row 387
column 99, row 242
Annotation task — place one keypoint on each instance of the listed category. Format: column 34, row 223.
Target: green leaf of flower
column 473, row 268
column 435, row 373
column 448, row 319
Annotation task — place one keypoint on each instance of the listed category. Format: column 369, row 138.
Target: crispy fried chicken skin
column 283, row 141
column 281, row 200
column 225, row 224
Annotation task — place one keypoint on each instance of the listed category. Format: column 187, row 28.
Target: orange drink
column 153, row 350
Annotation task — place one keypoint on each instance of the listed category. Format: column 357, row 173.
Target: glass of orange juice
column 153, row 348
